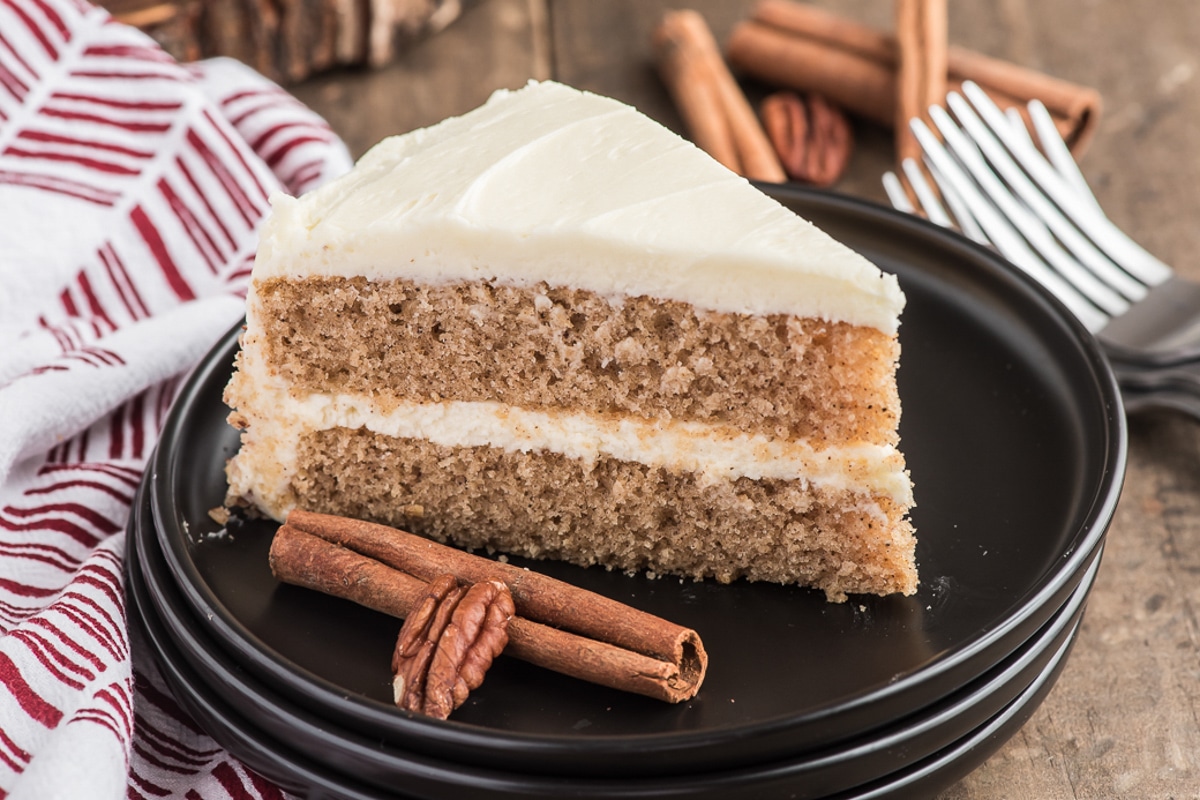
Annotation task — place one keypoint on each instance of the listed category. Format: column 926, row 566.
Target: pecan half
column 812, row 137
column 447, row 644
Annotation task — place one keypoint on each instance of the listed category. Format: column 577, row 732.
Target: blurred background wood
column 1122, row 721
column 288, row 40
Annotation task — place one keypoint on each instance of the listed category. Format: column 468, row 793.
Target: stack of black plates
column 1015, row 437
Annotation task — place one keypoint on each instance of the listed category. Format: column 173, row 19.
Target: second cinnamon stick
column 802, row 47
column 921, row 72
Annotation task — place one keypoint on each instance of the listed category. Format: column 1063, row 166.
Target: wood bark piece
column 224, row 25
column 287, row 40
column 350, row 31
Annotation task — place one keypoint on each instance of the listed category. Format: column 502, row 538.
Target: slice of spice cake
column 551, row 327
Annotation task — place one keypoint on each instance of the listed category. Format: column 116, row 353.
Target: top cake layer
column 527, row 189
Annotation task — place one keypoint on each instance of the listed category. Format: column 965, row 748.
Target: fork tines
column 1030, row 203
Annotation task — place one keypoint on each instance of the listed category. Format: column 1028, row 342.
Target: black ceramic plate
column 810, row 775
column 286, row 742
column 1015, row 438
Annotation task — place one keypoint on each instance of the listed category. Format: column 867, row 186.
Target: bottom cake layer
column 625, row 515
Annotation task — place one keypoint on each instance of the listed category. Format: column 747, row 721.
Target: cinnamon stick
column 921, row 30
column 718, row 116
column 558, row 626
column 798, row 46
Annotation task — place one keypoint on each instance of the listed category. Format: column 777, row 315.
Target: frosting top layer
column 551, row 184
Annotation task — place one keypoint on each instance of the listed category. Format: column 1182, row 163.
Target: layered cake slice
column 553, row 328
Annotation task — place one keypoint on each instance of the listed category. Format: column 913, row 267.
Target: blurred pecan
column 812, row 137
column 447, row 644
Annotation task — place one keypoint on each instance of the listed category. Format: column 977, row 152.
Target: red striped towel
column 130, row 190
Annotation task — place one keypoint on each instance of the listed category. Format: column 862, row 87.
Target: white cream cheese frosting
column 551, row 184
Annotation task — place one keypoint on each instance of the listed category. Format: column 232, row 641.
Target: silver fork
column 1034, row 206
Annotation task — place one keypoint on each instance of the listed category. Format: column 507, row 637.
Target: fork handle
column 1184, row 376
column 1170, row 335
column 1185, row 402
column 1149, row 388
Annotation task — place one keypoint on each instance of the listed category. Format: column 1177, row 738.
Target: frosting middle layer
column 714, row 452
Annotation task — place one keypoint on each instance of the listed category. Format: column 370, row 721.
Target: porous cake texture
column 553, row 328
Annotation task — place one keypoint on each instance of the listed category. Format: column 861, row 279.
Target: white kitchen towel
column 131, row 189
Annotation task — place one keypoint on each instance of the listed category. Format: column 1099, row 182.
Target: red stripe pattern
column 131, row 188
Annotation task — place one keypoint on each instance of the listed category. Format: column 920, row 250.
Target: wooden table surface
column 1124, row 718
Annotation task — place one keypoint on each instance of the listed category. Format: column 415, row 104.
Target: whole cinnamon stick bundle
column 558, row 626
column 795, row 45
